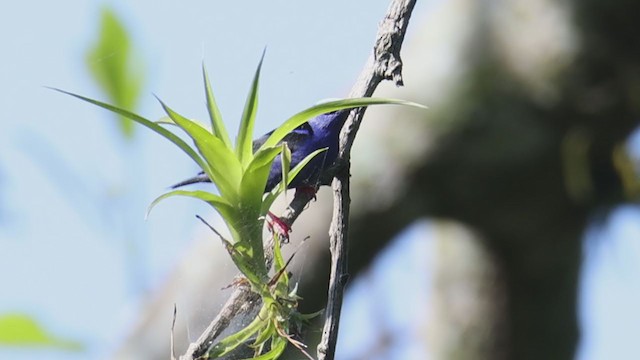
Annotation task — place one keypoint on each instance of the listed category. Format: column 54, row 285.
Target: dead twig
column 383, row 64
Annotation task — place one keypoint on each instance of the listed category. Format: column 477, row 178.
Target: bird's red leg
column 278, row 226
column 274, row 224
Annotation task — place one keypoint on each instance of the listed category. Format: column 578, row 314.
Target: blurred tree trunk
column 529, row 100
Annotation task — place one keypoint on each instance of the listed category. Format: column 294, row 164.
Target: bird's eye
column 305, row 127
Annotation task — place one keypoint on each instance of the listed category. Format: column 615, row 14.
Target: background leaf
column 23, row 330
column 112, row 64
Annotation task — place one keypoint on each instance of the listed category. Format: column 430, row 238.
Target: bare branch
column 241, row 300
column 384, row 64
column 173, row 326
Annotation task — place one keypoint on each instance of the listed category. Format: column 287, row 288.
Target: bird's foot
column 275, row 225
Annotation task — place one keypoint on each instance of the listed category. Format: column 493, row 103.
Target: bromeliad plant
column 240, row 175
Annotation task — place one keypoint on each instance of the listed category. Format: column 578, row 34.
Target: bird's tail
column 201, row 177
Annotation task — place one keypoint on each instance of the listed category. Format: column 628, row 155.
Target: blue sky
column 73, row 193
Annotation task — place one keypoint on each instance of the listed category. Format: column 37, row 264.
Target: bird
column 320, row 132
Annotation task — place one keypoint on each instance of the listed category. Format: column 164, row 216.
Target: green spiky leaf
column 244, row 141
column 226, row 210
column 250, row 264
column 224, row 168
column 255, row 176
column 271, row 197
column 286, row 165
column 323, row 108
column 147, row 123
column 278, row 345
column 264, row 335
column 229, row 343
column 217, row 125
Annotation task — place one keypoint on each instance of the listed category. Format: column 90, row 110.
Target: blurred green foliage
column 22, row 330
column 115, row 67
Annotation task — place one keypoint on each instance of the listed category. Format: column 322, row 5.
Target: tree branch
column 241, row 300
column 384, row 64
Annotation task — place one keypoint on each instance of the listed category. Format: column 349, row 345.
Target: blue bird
column 320, row 132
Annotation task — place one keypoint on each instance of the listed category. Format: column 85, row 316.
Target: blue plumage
column 320, row 132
